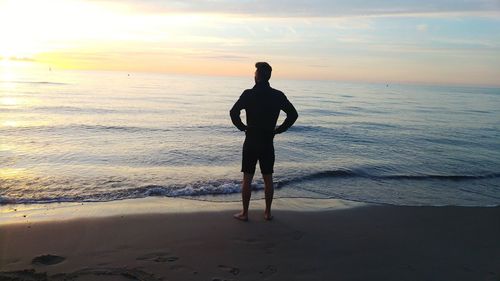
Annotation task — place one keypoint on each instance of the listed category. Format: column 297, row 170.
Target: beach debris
column 47, row 260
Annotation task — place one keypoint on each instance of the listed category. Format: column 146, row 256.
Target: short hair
column 264, row 70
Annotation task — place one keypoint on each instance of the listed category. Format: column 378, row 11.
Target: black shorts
column 258, row 147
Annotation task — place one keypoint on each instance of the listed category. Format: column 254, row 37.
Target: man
column 262, row 105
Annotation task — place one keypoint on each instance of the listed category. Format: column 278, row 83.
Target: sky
column 388, row 41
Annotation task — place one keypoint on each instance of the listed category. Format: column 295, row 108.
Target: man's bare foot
column 241, row 216
column 268, row 216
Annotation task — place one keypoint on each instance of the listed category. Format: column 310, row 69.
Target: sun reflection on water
column 9, row 101
column 7, row 72
column 11, row 173
column 9, row 123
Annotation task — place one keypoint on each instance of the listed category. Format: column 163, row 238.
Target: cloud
column 20, row 59
column 221, row 57
column 353, row 39
column 422, row 27
column 312, row 8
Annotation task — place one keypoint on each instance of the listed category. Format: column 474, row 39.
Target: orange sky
column 340, row 43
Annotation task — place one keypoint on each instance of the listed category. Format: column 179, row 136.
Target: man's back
column 263, row 105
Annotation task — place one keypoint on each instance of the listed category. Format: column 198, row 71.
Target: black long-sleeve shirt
column 262, row 105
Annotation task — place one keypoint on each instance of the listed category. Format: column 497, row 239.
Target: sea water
column 75, row 136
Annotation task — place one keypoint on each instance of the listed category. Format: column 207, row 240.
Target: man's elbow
column 233, row 112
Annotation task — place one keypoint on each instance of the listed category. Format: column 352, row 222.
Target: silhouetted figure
column 262, row 105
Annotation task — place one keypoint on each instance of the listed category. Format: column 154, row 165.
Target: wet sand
column 361, row 243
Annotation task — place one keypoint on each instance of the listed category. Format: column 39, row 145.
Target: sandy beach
column 368, row 242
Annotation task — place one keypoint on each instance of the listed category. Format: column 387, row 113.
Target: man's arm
column 235, row 113
column 291, row 116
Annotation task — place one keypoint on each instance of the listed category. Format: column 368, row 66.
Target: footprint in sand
column 158, row 257
column 230, row 269
column 27, row 275
column 184, row 268
column 47, row 260
column 248, row 241
column 268, row 271
column 297, row 235
column 105, row 274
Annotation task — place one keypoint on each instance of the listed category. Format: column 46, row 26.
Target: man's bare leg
column 246, row 193
column 269, row 192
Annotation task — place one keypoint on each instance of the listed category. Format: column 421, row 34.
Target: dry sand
column 362, row 243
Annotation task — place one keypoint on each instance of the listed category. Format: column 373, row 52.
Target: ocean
column 80, row 136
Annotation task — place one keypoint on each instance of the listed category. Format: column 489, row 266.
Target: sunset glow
column 442, row 42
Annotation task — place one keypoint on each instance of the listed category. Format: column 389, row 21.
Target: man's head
column 262, row 72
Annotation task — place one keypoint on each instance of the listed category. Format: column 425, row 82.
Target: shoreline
column 63, row 211
column 32, row 213
column 372, row 242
